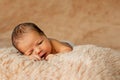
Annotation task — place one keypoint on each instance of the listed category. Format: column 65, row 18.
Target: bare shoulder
column 61, row 46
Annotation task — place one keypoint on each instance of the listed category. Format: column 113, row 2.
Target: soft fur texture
column 85, row 62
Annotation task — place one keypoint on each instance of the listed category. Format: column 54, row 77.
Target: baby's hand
column 35, row 58
column 49, row 56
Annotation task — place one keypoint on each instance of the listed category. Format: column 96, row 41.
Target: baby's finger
column 35, row 57
column 49, row 56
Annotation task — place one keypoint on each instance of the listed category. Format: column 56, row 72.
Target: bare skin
column 38, row 46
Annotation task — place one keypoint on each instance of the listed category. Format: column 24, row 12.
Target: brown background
column 79, row 21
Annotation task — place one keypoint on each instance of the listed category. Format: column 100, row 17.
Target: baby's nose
column 37, row 50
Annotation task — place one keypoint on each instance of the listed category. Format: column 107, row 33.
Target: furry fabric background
column 85, row 62
column 79, row 21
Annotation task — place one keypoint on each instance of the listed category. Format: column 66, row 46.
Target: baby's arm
column 61, row 46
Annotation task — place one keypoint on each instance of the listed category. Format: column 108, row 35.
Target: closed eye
column 40, row 42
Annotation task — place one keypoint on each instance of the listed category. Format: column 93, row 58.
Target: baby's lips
column 42, row 53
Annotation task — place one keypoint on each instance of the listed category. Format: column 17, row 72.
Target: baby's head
column 29, row 39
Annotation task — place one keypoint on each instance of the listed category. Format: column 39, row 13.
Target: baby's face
column 34, row 45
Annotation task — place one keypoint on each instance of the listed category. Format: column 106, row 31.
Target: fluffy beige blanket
column 85, row 62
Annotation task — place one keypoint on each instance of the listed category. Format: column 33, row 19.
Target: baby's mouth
column 43, row 55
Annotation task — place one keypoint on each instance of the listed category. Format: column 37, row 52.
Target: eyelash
column 40, row 42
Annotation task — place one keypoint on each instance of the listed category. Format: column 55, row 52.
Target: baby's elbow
column 68, row 49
